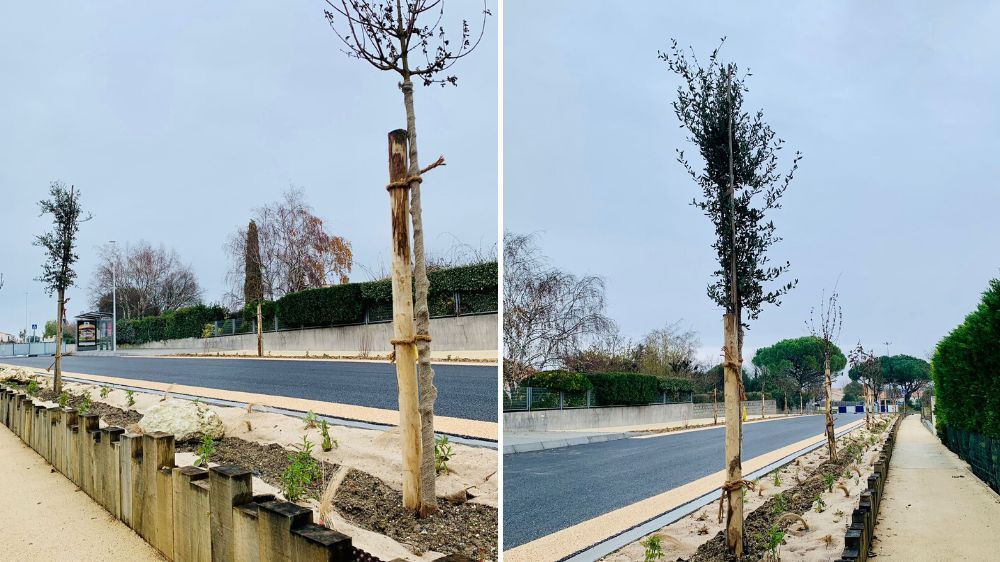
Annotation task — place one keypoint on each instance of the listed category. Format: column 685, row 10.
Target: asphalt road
column 464, row 391
column 546, row 491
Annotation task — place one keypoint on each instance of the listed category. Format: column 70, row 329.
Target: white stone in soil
column 185, row 419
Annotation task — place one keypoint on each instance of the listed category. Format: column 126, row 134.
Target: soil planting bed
column 798, row 499
column 468, row 529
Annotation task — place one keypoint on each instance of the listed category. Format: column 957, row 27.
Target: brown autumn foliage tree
column 408, row 39
column 296, row 251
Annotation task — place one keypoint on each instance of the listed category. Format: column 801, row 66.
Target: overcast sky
column 893, row 105
column 175, row 122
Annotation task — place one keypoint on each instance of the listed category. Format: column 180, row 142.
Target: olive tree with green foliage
column 800, row 360
column 60, row 249
column 965, row 370
column 741, row 184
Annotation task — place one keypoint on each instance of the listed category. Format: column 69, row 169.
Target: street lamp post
column 114, row 299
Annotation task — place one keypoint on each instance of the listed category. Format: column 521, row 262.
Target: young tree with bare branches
column 60, row 248
column 740, row 184
column 827, row 327
column 151, row 281
column 408, row 38
column 547, row 313
column 867, row 370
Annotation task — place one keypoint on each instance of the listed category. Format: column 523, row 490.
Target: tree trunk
column 762, row 402
column 425, row 373
column 260, row 331
column 734, row 466
column 57, row 377
column 715, row 411
column 402, row 323
column 831, row 441
column 801, row 408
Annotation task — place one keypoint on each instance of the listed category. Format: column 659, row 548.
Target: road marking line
column 568, row 541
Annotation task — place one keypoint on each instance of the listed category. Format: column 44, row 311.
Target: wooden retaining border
column 857, row 540
column 186, row 513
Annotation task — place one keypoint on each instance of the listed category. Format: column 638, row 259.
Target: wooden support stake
column 734, row 430
column 260, row 331
column 405, row 348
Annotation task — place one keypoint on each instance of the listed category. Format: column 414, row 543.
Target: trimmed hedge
column 966, row 370
column 181, row 323
column 477, row 286
column 563, row 381
column 337, row 304
column 624, row 389
column 675, row 386
column 267, row 310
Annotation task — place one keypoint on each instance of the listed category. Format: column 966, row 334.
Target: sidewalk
column 45, row 516
column 934, row 508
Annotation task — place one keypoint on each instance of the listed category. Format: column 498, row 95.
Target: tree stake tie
column 408, row 180
column 732, row 487
column 411, row 341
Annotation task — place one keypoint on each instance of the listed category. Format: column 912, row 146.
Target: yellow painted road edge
column 563, row 543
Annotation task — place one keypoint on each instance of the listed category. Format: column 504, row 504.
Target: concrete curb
column 560, row 443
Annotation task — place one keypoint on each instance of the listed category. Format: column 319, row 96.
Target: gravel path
column 45, row 516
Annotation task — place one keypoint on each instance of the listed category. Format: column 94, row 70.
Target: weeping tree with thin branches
column 825, row 325
column 740, row 184
column 409, row 39
column 60, row 255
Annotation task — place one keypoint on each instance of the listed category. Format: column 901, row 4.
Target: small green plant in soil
column 310, row 420
column 84, row 406
column 772, row 543
column 105, row 390
column 130, row 398
column 654, row 548
column 777, row 478
column 442, row 454
column 205, row 451
column 33, row 387
column 820, row 504
column 780, row 504
column 301, row 473
column 63, row 399
column 328, row 443
column 828, row 480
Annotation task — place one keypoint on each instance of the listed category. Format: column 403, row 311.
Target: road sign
column 34, row 326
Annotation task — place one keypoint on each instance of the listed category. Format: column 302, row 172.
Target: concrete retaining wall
column 472, row 337
column 187, row 513
column 617, row 416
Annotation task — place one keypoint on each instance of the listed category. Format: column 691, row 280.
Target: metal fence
column 981, row 452
column 25, row 349
column 527, row 398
